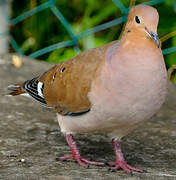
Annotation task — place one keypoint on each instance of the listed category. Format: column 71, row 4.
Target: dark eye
column 137, row 19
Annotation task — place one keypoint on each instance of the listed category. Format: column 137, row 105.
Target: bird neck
column 129, row 52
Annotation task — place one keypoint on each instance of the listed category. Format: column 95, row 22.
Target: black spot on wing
column 63, row 69
column 31, row 87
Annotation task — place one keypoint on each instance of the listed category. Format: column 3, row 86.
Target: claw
column 87, row 167
column 124, row 166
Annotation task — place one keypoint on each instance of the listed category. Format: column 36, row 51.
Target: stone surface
column 30, row 140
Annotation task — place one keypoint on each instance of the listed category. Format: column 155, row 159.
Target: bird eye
column 137, row 19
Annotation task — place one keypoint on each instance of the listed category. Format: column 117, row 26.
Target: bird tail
column 15, row 89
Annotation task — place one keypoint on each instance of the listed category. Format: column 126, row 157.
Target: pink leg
column 76, row 155
column 120, row 161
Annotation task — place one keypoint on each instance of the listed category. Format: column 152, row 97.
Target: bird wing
column 65, row 86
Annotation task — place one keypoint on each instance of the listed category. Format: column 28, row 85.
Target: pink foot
column 76, row 155
column 124, row 166
column 120, row 162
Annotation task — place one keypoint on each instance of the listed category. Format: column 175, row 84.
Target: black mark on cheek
column 128, row 31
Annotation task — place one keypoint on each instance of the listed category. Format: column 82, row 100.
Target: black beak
column 155, row 37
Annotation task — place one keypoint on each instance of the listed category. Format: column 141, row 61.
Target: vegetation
column 44, row 28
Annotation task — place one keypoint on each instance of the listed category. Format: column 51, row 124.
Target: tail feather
column 16, row 89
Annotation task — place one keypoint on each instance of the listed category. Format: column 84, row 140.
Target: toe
column 133, row 169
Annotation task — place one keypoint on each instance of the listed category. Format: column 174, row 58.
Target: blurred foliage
column 43, row 28
column 172, row 73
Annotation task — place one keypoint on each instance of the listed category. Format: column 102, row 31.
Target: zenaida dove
column 110, row 89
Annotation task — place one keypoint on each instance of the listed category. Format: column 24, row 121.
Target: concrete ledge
column 30, row 132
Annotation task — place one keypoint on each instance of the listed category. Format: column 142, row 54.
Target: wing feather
column 32, row 88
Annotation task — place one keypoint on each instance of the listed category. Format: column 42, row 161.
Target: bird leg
column 120, row 161
column 76, row 155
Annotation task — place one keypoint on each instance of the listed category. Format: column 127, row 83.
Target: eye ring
column 137, row 19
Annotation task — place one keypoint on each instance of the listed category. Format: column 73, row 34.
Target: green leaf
column 60, row 55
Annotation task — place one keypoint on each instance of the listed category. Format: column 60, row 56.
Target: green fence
column 74, row 37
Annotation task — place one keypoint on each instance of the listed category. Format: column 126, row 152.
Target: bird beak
column 154, row 36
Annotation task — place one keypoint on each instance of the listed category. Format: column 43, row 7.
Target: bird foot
column 81, row 161
column 124, row 166
column 76, row 155
column 120, row 162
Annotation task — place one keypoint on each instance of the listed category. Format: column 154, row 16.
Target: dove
column 110, row 89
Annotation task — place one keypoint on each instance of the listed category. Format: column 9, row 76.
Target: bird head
column 143, row 20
